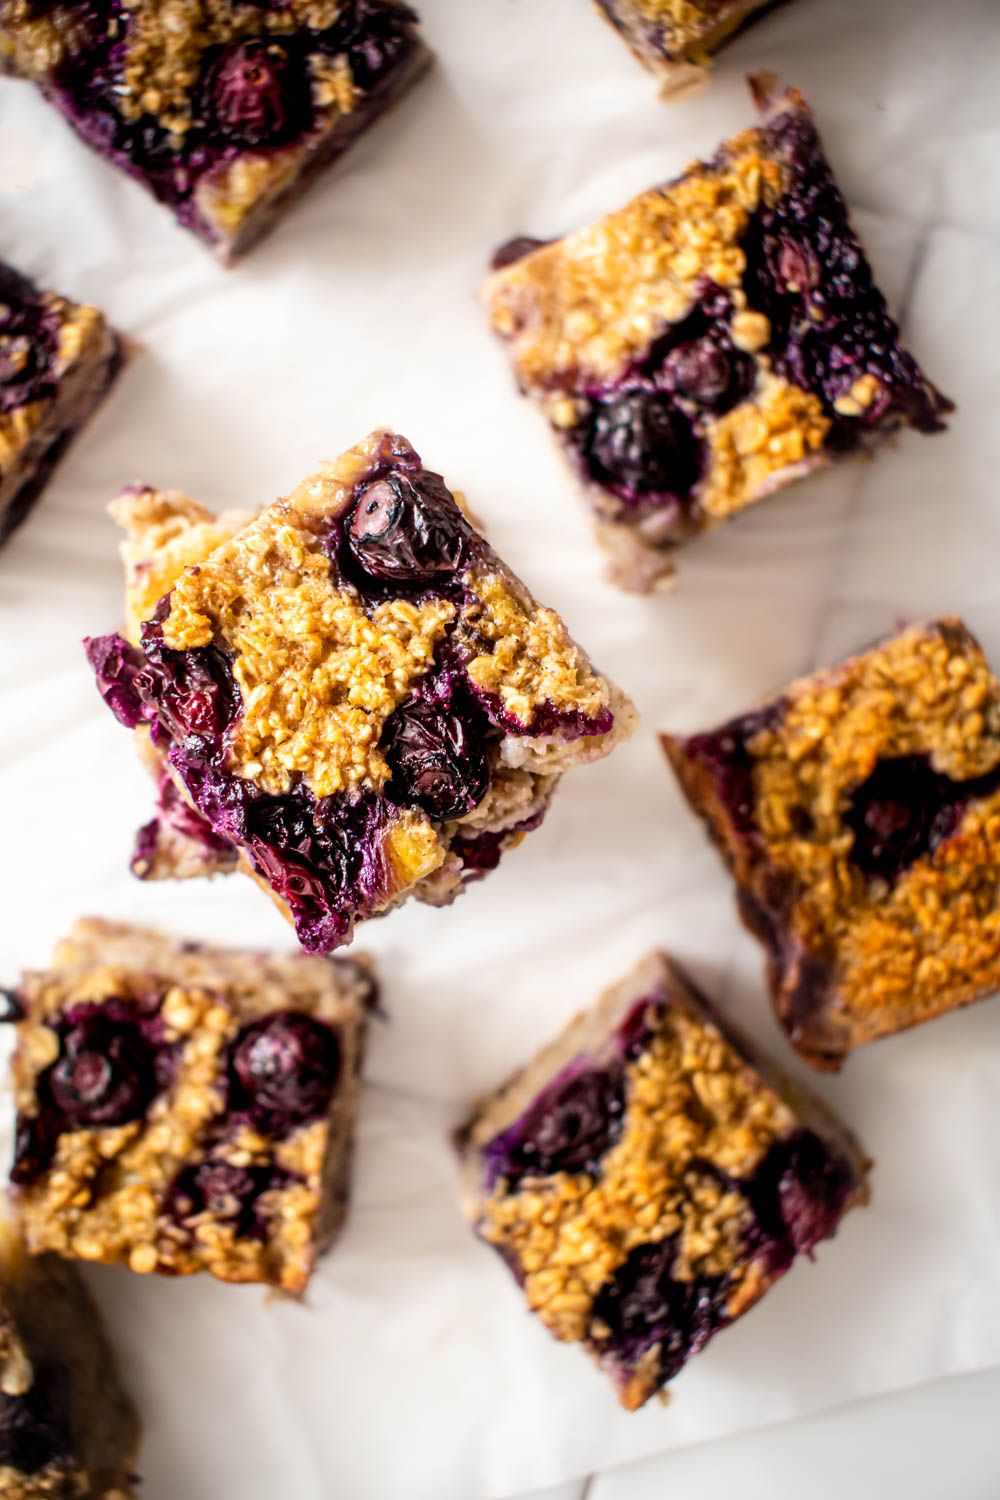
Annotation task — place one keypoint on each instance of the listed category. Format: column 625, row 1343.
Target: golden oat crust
column 892, row 955
column 700, row 1115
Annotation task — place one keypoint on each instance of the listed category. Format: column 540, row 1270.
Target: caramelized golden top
column 693, row 1103
column 588, row 305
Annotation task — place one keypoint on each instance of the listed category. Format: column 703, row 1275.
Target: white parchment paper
column 414, row 1372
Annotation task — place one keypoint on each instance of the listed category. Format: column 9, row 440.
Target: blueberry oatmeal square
column 67, row 1429
column 351, row 693
column 223, row 109
column 57, row 359
column 647, row 1178
column 184, row 1108
column 676, row 39
column 859, row 813
column 710, row 342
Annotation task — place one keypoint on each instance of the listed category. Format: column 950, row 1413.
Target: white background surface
column 414, row 1373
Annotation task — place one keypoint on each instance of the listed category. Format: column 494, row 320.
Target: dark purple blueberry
column 511, row 251
column 117, row 667
column 23, row 370
column 15, row 291
column 35, row 1428
column 227, row 1193
column 256, row 94
column 902, row 812
column 193, row 692
column 807, row 271
column 105, row 1073
column 706, row 373
column 437, row 757
column 644, row 1304
column 641, row 444
column 285, row 1067
column 725, row 755
column 407, row 530
column 569, row 1127
column 798, row 1193
column 35, row 1137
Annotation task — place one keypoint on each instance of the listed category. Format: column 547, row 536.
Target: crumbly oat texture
column 424, row 719
column 709, row 342
column 67, row 1430
column 676, row 38
column 57, row 359
column 860, row 815
column 224, row 109
column 684, row 1125
column 173, row 1113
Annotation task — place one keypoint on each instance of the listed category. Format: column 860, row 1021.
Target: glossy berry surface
column 902, row 812
column 226, row 1193
column 641, row 444
column 644, row 1304
column 285, row 1068
column 105, row 1073
column 798, row 1193
column 568, row 1127
column 256, row 94
column 407, row 530
column 437, row 755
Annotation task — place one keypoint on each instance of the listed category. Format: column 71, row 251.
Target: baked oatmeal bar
column 183, row 1108
column 57, row 359
column 67, row 1430
column 859, row 813
column 647, row 1178
column 223, row 109
column 676, row 39
column 710, row 342
column 352, row 690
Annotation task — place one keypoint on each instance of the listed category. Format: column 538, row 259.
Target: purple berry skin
column 105, row 1073
column 408, row 530
column 284, row 1069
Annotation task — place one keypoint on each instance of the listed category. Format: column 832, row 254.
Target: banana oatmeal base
column 859, row 813
column 676, row 39
column 223, row 109
column 647, row 1180
column 708, row 343
column 57, row 360
column 67, row 1429
column 184, row 1108
column 349, row 695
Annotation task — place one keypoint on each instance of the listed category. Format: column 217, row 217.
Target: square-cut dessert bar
column 711, row 341
column 351, row 691
column 57, row 359
column 676, row 38
column 183, row 1108
column 648, row 1178
column 859, row 813
column 67, row 1430
column 223, row 109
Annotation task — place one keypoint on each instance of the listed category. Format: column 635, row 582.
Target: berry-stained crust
column 647, row 1180
column 183, row 1108
column 351, row 690
column 860, row 815
column 57, row 359
column 710, row 342
column 223, row 109
column 676, row 38
column 67, row 1430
